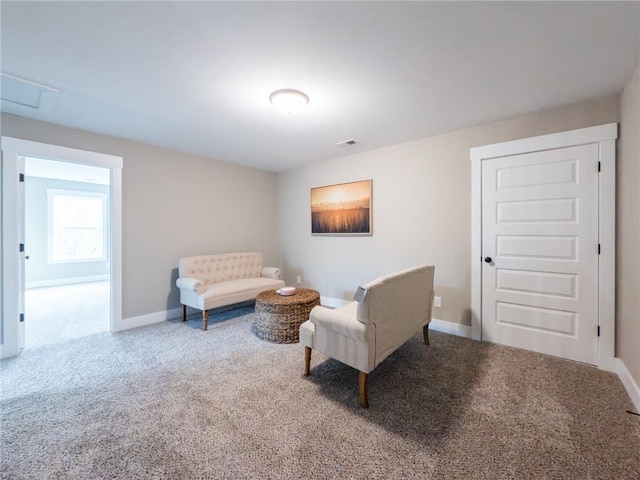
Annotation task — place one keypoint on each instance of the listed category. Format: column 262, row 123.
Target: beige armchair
column 387, row 312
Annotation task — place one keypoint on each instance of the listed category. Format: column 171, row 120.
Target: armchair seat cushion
column 341, row 321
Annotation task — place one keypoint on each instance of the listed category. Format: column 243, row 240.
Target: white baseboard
column 628, row 382
column 450, row 328
column 436, row 325
column 148, row 319
column 66, row 281
column 162, row 316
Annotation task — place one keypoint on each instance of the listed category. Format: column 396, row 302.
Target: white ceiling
column 196, row 76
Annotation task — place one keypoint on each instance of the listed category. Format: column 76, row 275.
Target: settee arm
column 270, row 272
column 188, row 283
column 339, row 322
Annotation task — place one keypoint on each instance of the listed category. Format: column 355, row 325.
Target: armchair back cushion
column 398, row 304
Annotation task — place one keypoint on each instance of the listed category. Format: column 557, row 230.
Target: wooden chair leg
column 184, row 313
column 307, row 360
column 205, row 319
column 425, row 334
column 362, row 389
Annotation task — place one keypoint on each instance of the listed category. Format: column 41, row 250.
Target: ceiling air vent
column 349, row 142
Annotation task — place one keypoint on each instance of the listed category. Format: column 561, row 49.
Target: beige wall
column 174, row 205
column 628, row 230
column 421, row 207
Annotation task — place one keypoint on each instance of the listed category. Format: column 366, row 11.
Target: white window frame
column 51, row 194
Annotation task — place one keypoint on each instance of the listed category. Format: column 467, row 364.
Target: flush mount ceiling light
column 289, row 102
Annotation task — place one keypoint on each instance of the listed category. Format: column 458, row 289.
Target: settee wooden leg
column 362, row 389
column 425, row 334
column 184, row 313
column 307, row 360
column 205, row 319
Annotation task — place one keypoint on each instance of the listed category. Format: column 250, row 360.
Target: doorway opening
column 14, row 251
column 67, row 265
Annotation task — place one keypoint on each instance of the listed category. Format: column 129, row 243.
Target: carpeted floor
column 170, row 401
column 59, row 313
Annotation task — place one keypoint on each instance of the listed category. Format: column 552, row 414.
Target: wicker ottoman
column 278, row 317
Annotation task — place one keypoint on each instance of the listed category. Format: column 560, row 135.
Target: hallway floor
column 60, row 313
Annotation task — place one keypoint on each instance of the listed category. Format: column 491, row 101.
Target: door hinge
column 22, row 317
column 22, row 247
column 599, row 166
column 598, row 249
column 598, row 330
column 21, row 177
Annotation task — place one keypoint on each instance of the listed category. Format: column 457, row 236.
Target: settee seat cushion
column 235, row 291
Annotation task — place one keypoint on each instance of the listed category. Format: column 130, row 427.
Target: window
column 77, row 221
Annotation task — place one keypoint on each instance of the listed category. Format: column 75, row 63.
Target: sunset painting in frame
column 343, row 209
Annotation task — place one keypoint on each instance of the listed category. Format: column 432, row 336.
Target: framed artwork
column 343, row 209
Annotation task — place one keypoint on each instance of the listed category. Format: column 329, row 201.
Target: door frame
column 605, row 136
column 12, row 148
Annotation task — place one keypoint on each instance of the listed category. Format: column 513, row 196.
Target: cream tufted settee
column 210, row 281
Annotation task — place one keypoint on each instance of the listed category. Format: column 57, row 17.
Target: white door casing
column 552, row 281
column 540, row 228
column 13, row 214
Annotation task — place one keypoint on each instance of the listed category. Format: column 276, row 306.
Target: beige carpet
column 170, row 401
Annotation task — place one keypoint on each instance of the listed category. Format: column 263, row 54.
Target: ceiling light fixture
column 289, row 102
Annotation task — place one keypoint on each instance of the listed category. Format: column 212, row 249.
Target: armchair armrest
column 270, row 272
column 339, row 322
column 188, row 283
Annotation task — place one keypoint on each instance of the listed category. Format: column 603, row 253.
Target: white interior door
column 12, row 254
column 540, row 249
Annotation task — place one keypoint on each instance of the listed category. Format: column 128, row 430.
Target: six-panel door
column 540, row 230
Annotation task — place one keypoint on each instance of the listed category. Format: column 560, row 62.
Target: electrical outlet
column 298, row 279
column 437, row 301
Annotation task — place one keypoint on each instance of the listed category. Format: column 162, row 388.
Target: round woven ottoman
column 278, row 317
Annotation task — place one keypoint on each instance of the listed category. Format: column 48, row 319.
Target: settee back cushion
column 221, row 267
column 398, row 305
